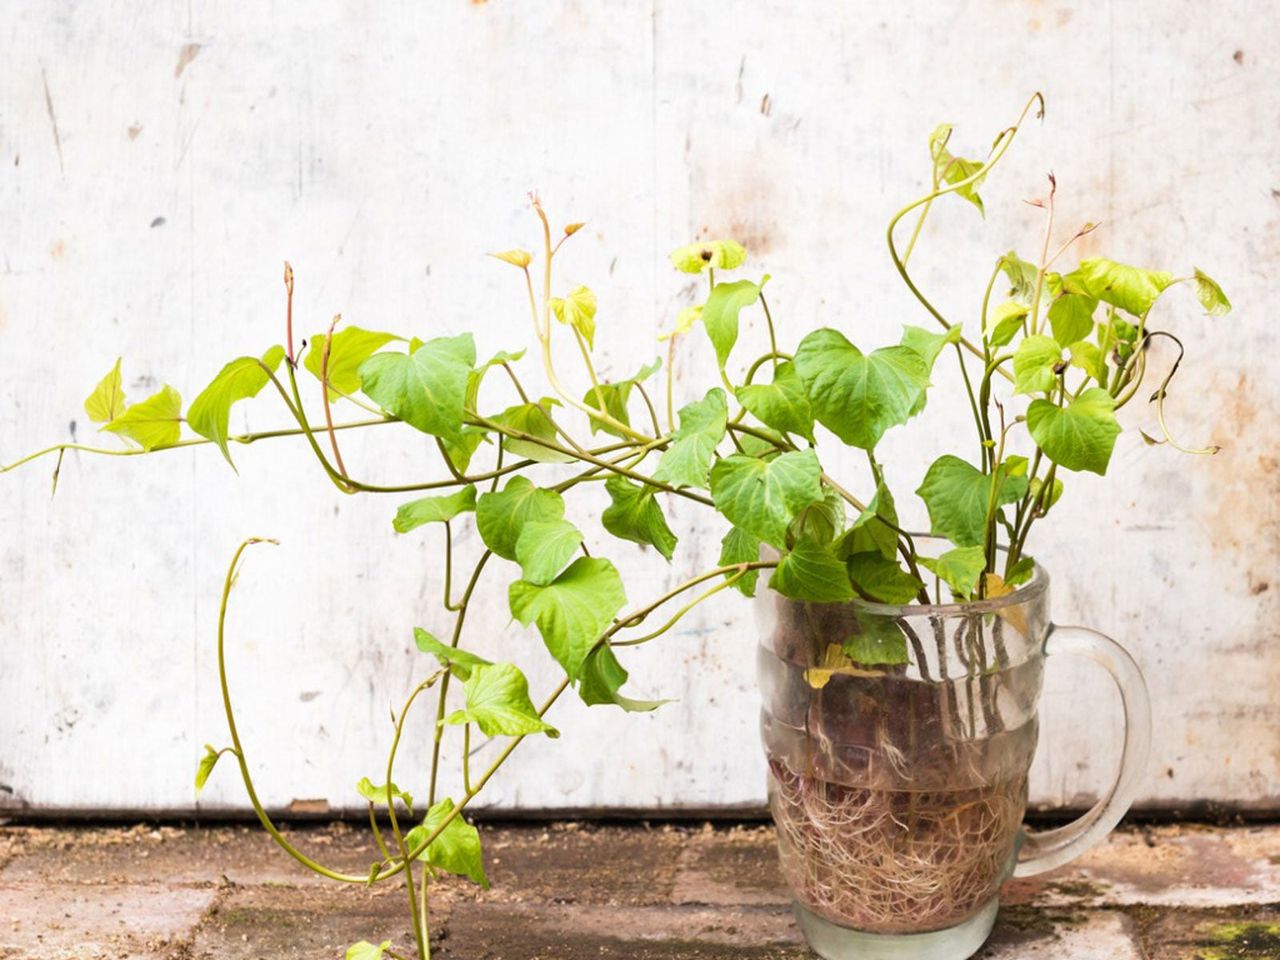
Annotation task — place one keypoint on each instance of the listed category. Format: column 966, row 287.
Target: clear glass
column 899, row 790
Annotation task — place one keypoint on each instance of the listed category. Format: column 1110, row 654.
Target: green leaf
column 929, row 344
column 153, row 422
column 1035, row 364
column 873, row 529
column 364, row 950
column 960, row 568
column 578, row 310
column 763, row 497
column 738, row 546
column 107, row 400
column 462, row 448
column 1021, row 571
column 1005, row 322
column 207, row 763
column 459, row 662
column 456, row 849
column 434, row 509
column 377, row 793
column 544, row 547
column 957, row 494
column 1022, row 277
column 1087, row 357
column 351, row 347
column 1212, row 298
column 720, row 313
column 616, row 397
column 1055, row 494
column 688, row 457
column 476, row 377
column 1079, row 436
column 709, row 255
column 602, row 678
column 1071, row 317
column 782, row 404
column 426, row 388
column 881, row 579
column 533, row 419
column 573, row 610
column 500, row 516
column 498, row 703
column 242, row 378
column 634, row 514
column 858, row 397
column 879, row 640
column 810, row 571
column 1132, row 289
column 820, row 521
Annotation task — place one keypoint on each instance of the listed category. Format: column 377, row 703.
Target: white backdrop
column 160, row 160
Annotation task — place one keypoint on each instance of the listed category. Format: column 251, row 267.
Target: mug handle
column 1047, row 849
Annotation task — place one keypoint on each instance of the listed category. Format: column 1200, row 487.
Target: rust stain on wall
column 188, row 53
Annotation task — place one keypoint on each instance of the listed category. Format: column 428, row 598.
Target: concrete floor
column 573, row 891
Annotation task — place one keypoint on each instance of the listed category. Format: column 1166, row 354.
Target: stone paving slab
column 578, row 891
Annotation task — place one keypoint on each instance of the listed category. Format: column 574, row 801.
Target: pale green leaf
column 953, row 169
column 1079, row 436
column 616, row 396
column 810, row 571
column 425, row 388
column 855, row 396
column 960, row 568
column 153, row 422
column 498, row 703
column 763, row 497
column 242, row 378
column 709, row 255
column 476, row 377
column 462, row 448
column 1005, row 321
column 434, row 509
column 207, row 763
column 544, row 547
column 1132, row 289
column 929, row 344
column 820, row 521
column 501, row 515
column 1087, row 357
column 635, row 514
column 738, row 546
column 1022, row 277
column 782, row 404
column 381, row 792
column 720, row 314
column 573, row 611
column 533, row 420
column 351, row 347
column 577, row 310
column 364, row 950
column 459, row 662
column 874, row 528
column 1212, row 298
column 688, row 457
column 1035, row 364
column 107, row 400
column 879, row 578
column 456, row 849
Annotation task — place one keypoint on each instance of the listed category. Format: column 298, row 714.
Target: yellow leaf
column 835, row 661
column 685, row 320
column 107, row 400
column 711, row 254
column 517, row 258
column 572, row 228
column 578, row 310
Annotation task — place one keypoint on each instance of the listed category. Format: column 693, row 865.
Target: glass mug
column 898, row 791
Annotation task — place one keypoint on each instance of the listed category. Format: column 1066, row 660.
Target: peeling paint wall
column 160, row 160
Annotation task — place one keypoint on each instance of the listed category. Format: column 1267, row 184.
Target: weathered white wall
column 160, row 160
